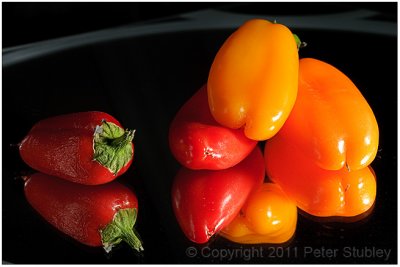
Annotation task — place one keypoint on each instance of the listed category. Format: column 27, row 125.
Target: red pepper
column 87, row 147
column 102, row 215
column 198, row 142
column 205, row 201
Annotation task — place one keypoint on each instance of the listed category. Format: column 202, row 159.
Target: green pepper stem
column 299, row 43
column 112, row 146
column 123, row 140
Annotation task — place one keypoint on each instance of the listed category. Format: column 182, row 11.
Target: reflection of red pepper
column 205, row 201
column 198, row 142
column 86, row 147
column 101, row 215
column 318, row 191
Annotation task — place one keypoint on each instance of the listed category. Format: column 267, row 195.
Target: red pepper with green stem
column 87, row 147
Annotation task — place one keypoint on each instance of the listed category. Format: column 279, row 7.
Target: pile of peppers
column 317, row 132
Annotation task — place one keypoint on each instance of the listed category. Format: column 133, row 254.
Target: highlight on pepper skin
column 317, row 191
column 253, row 79
column 331, row 121
column 268, row 216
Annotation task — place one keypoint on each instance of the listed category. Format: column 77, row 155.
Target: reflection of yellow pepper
column 317, row 191
column 253, row 79
column 267, row 217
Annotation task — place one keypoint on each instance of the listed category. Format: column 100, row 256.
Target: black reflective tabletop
column 142, row 74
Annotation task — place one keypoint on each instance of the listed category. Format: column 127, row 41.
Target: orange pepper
column 318, row 191
column 268, row 216
column 253, row 79
column 331, row 122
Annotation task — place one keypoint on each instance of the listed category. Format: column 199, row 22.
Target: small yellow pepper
column 253, row 79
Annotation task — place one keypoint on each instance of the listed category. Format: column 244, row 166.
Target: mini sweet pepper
column 198, row 142
column 253, row 79
column 331, row 121
column 84, row 147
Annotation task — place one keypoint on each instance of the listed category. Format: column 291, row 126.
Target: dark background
column 29, row 22
column 143, row 81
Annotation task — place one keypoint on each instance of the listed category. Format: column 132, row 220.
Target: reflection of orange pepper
column 253, row 79
column 267, row 217
column 331, row 122
column 318, row 191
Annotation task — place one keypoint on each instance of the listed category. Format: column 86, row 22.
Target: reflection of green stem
column 121, row 229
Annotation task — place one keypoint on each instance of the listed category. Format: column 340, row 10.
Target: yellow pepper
column 253, row 79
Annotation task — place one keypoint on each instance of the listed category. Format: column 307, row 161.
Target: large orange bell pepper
column 253, row 79
column 317, row 191
column 268, row 216
column 331, row 122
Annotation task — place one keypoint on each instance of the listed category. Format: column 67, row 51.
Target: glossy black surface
column 143, row 81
